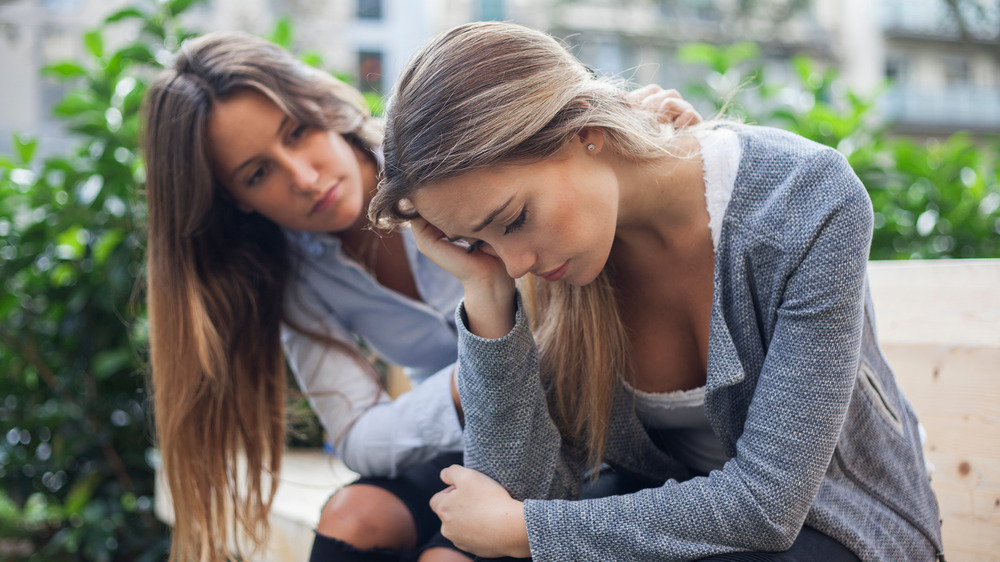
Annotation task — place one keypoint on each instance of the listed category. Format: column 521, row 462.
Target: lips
column 326, row 199
column 555, row 274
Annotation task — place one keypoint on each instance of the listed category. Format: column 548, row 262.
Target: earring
column 591, row 147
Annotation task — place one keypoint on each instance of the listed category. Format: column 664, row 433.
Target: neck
column 369, row 182
column 359, row 240
column 662, row 203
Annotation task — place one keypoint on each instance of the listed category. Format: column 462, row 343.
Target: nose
column 304, row 174
column 517, row 259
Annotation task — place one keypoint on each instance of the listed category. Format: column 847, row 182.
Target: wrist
column 519, row 545
column 490, row 308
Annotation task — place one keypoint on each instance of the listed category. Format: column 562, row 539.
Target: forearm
column 509, row 434
column 392, row 436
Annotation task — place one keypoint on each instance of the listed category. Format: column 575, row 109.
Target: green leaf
column 125, row 14
column 75, row 103
column 108, row 242
column 68, row 243
column 63, row 274
column 282, row 33
column 376, row 104
column 81, row 493
column 8, row 510
column 110, row 362
column 136, row 53
column 25, row 148
column 176, row 7
column 64, row 70
column 94, row 41
column 699, row 53
column 312, row 58
column 740, row 52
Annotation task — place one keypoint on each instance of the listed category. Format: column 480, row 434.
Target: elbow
column 781, row 538
column 774, row 532
column 356, row 459
column 773, row 522
column 367, row 459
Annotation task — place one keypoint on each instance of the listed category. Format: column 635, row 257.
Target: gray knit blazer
column 798, row 393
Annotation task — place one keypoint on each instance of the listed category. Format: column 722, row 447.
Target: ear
column 591, row 136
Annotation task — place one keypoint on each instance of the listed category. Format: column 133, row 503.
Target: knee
column 368, row 517
column 442, row 555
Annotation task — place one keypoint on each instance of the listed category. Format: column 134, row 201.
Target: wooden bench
column 939, row 326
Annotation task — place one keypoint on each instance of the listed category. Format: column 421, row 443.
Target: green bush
column 76, row 484
column 932, row 199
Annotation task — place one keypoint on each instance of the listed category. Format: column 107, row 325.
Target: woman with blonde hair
column 692, row 311
column 258, row 168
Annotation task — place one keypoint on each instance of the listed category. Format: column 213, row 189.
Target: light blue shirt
column 330, row 293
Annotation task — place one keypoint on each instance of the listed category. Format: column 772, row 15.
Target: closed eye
column 474, row 246
column 298, row 131
column 257, row 176
column 517, row 223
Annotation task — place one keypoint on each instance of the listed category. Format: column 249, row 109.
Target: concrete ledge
column 939, row 326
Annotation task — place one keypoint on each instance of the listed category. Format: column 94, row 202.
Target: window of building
column 704, row 10
column 957, row 71
column 491, row 10
column 370, row 72
column 370, row 9
column 668, row 8
column 896, row 68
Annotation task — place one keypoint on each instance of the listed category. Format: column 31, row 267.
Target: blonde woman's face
column 299, row 177
column 555, row 219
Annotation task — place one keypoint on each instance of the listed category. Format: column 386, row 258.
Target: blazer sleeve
column 761, row 497
column 509, row 434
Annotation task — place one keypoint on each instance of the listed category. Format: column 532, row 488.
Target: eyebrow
column 281, row 127
column 493, row 215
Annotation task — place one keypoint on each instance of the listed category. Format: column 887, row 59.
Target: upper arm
column 803, row 389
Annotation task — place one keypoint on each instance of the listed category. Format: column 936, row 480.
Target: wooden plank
column 955, row 391
column 950, row 302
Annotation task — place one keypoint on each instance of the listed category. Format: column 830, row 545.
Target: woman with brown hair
column 258, row 168
column 693, row 312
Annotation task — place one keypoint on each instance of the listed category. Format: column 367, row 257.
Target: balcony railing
column 946, row 109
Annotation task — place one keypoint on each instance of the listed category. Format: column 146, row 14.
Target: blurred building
column 944, row 71
column 938, row 71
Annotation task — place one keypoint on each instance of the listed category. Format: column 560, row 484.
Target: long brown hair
column 216, row 278
column 492, row 94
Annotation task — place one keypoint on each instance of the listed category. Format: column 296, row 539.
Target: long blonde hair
column 215, row 283
column 490, row 94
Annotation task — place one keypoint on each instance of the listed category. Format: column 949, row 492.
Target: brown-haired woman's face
column 299, row 177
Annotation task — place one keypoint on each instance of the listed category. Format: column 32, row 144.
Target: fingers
column 424, row 230
column 435, row 245
column 636, row 96
column 450, row 474
column 667, row 105
column 687, row 119
column 439, row 498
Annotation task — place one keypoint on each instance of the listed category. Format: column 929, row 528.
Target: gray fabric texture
column 798, row 393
